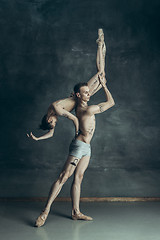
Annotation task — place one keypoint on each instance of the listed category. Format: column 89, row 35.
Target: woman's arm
column 62, row 112
column 45, row 136
column 73, row 118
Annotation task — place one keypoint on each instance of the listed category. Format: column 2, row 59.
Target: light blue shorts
column 79, row 149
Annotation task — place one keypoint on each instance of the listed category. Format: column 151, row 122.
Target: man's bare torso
column 86, row 124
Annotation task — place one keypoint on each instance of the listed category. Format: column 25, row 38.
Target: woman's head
column 48, row 123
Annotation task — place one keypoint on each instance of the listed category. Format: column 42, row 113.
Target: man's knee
column 63, row 177
column 79, row 177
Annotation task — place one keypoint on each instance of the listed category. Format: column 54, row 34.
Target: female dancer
column 63, row 107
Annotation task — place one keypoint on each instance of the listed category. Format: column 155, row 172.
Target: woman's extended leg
column 93, row 83
column 101, row 65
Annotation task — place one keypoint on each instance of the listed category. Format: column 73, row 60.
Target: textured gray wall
column 46, row 47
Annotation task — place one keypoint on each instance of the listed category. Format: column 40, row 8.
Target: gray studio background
column 46, row 47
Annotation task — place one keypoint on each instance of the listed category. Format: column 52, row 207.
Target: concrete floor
column 112, row 221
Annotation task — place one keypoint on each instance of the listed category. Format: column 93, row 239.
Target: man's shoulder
column 94, row 109
column 90, row 109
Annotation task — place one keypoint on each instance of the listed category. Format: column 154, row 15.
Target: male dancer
column 79, row 152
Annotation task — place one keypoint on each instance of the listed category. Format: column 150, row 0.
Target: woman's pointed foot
column 100, row 36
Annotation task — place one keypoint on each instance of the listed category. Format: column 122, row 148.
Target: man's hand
column 32, row 136
column 101, row 79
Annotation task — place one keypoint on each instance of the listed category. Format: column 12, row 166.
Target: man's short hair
column 78, row 86
column 45, row 125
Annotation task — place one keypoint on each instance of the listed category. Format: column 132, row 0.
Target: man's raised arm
column 101, row 107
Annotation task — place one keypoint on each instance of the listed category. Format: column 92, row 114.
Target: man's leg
column 67, row 171
column 76, row 189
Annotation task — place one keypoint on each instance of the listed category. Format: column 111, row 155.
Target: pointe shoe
column 100, row 36
column 104, row 49
column 41, row 219
column 81, row 216
column 100, row 41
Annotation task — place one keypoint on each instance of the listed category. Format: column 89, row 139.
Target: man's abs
column 86, row 135
column 86, row 126
column 83, row 138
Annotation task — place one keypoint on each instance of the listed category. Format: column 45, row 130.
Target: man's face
column 84, row 93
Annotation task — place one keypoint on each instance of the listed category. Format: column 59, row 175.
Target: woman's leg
column 93, row 83
column 101, row 65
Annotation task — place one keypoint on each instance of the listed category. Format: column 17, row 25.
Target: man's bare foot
column 41, row 219
column 80, row 216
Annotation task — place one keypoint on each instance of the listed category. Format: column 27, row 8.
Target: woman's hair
column 45, row 125
column 78, row 86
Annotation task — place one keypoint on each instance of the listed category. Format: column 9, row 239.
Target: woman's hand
column 30, row 135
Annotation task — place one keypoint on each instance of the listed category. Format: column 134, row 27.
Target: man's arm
column 45, row 136
column 101, row 107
